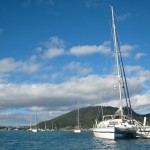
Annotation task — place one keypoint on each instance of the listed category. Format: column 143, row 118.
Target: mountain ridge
column 88, row 115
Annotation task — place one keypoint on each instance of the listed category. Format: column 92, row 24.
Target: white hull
column 34, row 130
column 114, row 133
column 143, row 132
column 106, row 133
column 77, row 130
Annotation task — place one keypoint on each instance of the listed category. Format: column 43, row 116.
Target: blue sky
column 54, row 53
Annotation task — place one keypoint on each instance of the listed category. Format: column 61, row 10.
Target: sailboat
column 52, row 127
column 77, row 129
column 117, row 125
column 35, row 129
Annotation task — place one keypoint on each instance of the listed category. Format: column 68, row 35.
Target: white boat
column 35, row 129
column 143, row 130
column 77, row 129
column 117, row 125
column 52, row 127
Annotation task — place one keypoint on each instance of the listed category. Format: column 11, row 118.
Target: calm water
column 65, row 140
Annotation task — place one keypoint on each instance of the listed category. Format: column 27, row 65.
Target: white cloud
column 90, row 49
column 7, row 65
column 62, row 97
column 140, row 103
column 54, row 47
column 87, row 89
column 11, row 65
column 124, row 16
column 53, row 52
column 78, row 68
column 140, row 100
column 138, row 72
column 126, row 49
column 144, row 75
column 130, row 69
column 139, row 55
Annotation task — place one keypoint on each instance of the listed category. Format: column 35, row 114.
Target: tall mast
column 36, row 117
column 78, row 117
column 116, row 47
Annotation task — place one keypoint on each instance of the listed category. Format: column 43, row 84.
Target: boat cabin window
column 107, row 117
column 113, row 123
column 117, row 117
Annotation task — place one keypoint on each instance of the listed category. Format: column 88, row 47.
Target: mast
column 120, row 69
column 78, row 117
column 116, row 47
column 36, row 117
column 45, row 126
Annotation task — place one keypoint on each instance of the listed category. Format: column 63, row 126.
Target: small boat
column 117, row 125
column 143, row 130
column 77, row 129
column 34, row 130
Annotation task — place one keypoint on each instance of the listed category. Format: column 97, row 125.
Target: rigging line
column 125, row 81
column 113, row 55
column 123, row 76
column 104, row 72
column 117, row 93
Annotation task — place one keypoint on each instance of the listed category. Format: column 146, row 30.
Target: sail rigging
column 120, row 70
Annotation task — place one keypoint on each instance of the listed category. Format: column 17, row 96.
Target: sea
column 66, row 140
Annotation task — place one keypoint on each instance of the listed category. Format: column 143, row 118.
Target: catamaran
column 117, row 125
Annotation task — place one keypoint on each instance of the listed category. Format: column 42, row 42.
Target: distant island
column 88, row 115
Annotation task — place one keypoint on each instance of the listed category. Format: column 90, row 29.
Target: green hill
column 87, row 118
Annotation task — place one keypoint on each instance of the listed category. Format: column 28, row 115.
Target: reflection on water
column 121, row 144
column 66, row 140
column 98, row 144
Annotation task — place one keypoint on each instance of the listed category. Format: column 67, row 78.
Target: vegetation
column 88, row 116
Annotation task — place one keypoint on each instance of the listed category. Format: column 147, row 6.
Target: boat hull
column 34, row 130
column 106, row 133
column 143, row 132
column 113, row 133
column 77, row 130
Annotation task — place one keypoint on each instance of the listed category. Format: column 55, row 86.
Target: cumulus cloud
column 139, row 55
column 11, row 68
column 8, row 65
column 130, row 69
column 11, row 65
column 124, row 16
column 78, row 68
column 139, row 72
column 63, row 96
column 87, row 89
column 90, row 49
column 53, row 52
column 126, row 49
column 53, row 47
column 81, row 83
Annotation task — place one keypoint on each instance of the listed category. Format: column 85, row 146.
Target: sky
column 54, row 53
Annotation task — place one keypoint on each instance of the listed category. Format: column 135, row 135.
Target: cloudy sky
column 54, row 53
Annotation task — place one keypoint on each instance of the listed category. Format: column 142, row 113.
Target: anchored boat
column 117, row 125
